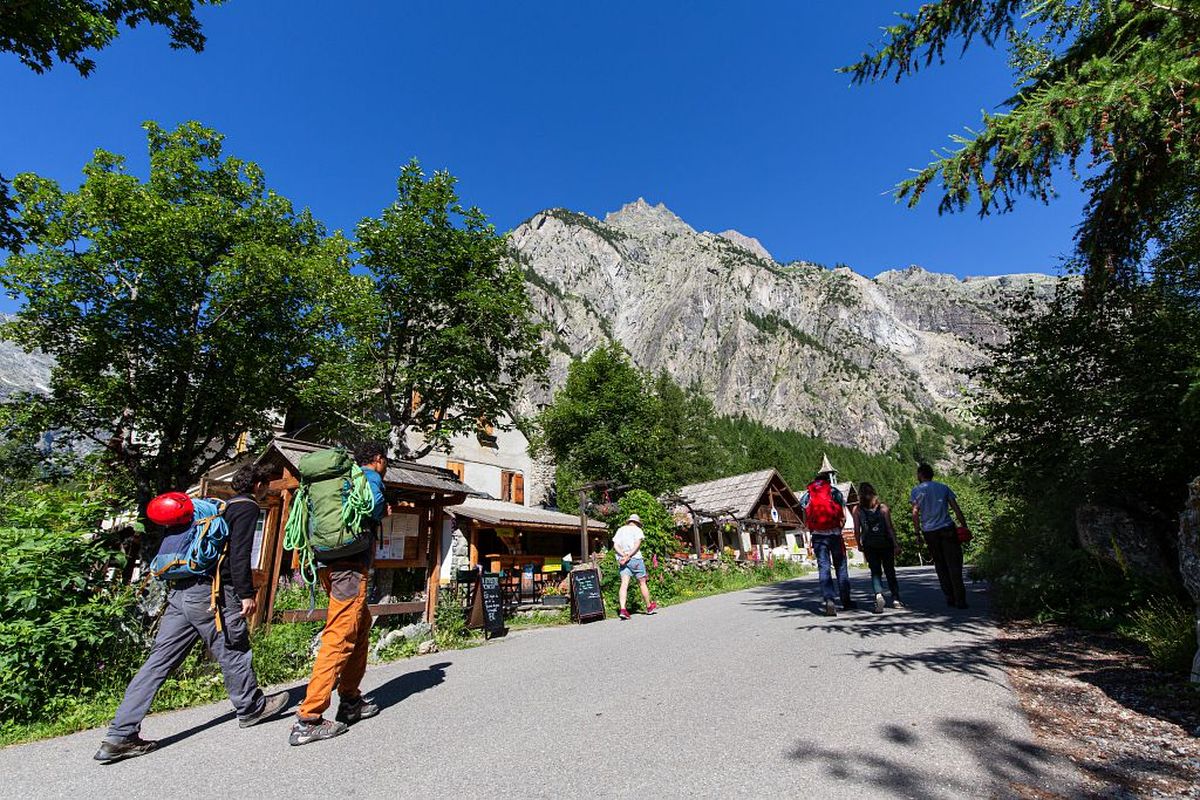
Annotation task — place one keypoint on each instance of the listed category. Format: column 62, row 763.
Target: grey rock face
column 826, row 352
column 1118, row 536
column 21, row 371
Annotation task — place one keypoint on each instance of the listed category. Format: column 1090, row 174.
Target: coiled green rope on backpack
column 358, row 504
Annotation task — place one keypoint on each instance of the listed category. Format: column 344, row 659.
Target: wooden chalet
column 753, row 513
column 417, row 496
column 526, row 545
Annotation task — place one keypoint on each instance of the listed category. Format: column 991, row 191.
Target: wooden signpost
column 587, row 604
column 487, row 606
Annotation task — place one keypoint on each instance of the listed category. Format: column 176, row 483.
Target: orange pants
column 345, row 642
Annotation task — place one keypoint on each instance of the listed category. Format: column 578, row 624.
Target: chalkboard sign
column 586, row 602
column 487, row 606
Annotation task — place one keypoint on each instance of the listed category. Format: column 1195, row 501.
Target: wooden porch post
column 435, row 562
column 264, row 613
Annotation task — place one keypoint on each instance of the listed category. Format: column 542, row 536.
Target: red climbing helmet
column 170, row 508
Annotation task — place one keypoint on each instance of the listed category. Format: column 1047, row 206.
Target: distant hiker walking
column 627, row 542
column 345, row 642
column 824, row 510
column 210, row 606
column 877, row 539
column 931, row 505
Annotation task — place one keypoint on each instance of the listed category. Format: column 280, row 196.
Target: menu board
column 398, row 537
column 487, row 604
column 587, row 603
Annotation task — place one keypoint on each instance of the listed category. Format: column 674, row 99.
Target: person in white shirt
column 628, row 545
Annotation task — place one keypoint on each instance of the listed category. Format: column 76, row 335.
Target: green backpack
column 331, row 513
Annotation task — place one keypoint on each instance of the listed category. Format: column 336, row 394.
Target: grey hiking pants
column 186, row 620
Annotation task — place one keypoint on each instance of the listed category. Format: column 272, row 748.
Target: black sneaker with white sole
column 305, row 732
column 130, row 747
column 355, row 710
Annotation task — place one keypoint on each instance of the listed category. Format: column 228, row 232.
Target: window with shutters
column 512, row 486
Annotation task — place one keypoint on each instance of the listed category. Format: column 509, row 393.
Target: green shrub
column 60, row 610
column 1168, row 628
column 282, row 652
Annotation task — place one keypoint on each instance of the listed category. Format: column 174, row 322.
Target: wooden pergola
column 417, row 496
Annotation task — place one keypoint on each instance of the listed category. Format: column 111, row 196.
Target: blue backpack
column 194, row 551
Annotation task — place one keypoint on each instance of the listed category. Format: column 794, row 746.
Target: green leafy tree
column 438, row 336
column 611, row 421
column 1113, row 82
column 41, row 32
column 182, row 311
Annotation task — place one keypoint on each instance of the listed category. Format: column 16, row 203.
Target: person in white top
column 627, row 542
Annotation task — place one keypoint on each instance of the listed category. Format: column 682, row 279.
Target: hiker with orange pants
column 345, row 642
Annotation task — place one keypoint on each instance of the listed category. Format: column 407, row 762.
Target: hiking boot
column 623, row 614
column 129, row 747
column 355, row 710
column 652, row 608
column 305, row 732
column 848, row 604
column 830, row 611
column 878, row 604
column 896, row 603
column 272, row 705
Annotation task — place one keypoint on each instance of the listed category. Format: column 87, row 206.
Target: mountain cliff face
column 21, row 371
column 826, row 352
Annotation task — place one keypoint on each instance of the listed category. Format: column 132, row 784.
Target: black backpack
column 872, row 528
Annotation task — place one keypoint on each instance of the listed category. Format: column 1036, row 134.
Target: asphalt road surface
column 750, row 694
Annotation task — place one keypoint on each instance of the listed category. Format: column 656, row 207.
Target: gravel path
column 749, row 694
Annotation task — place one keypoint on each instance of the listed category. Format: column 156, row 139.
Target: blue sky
column 730, row 114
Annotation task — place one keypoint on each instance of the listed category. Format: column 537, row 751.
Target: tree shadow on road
column 1011, row 767
column 973, row 651
column 402, row 687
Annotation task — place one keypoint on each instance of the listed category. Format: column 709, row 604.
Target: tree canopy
column 182, row 311
column 438, row 335
column 41, row 32
column 1111, row 83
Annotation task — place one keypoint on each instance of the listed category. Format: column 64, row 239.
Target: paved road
column 743, row 695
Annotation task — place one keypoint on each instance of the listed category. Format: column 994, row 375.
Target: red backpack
column 823, row 513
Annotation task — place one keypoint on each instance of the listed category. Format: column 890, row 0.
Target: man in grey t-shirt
column 932, row 503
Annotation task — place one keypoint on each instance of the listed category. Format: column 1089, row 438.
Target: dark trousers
column 947, row 554
column 881, row 560
column 187, row 620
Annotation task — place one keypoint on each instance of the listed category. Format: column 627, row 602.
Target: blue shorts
column 635, row 567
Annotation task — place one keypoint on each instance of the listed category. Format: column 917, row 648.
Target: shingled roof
column 402, row 474
column 511, row 515
column 739, row 492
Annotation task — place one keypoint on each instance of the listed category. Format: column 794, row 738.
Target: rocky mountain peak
column 641, row 217
column 747, row 242
column 829, row 353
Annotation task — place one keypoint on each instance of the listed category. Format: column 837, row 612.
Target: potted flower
column 552, row 597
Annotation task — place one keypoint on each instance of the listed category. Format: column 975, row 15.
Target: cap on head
column 171, row 508
column 635, row 519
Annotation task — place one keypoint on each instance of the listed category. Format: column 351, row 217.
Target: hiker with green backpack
column 332, row 527
column 204, row 560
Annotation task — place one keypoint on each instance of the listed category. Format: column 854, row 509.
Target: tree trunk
column 1189, row 560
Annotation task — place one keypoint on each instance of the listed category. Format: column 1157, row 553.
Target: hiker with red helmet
column 824, row 510
column 209, row 605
